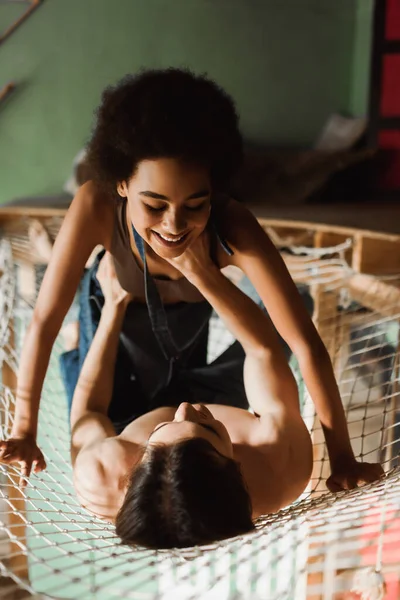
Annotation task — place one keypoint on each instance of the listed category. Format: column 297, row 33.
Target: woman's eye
column 154, row 208
column 198, row 207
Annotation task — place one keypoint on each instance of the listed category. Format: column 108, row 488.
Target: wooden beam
column 376, row 256
column 7, row 213
column 289, row 236
column 6, row 90
column 378, row 217
column 33, row 5
column 320, row 225
column 376, row 295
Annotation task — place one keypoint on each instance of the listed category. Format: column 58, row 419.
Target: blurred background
column 315, row 82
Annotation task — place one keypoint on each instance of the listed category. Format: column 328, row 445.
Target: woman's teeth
column 164, row 237
column 170, row 240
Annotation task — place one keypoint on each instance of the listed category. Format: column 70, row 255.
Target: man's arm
column 270, row 384
column 93, row 393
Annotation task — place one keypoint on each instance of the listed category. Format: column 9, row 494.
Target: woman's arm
column 89, row 222
column 83, row 228
column 256, row 256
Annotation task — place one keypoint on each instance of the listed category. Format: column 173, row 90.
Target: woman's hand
column 348, row 474
column 24, row 451
column 114, row 294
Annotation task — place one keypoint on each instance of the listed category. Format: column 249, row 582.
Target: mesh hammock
column 323, row 546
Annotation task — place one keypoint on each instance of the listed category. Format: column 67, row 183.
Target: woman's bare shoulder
column 237, row 226
column 232, row 218
column 225, row 207
column 95, row 196
column 99, row 206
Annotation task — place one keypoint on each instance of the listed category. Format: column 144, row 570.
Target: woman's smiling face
column 169, row 203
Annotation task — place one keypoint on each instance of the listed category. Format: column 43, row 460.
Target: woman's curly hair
column 169, row 113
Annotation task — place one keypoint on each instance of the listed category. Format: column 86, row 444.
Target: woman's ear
column 122, row 189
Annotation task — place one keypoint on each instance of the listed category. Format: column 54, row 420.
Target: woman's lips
column 169, row 242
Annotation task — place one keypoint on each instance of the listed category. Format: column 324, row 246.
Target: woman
column 163, row 151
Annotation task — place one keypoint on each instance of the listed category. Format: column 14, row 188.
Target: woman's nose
column 175, row 223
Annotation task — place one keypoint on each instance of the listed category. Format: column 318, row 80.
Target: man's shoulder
column 240, row 423
column 290, row 451
column 99, row 459
column 276, row 463
column 284, row 429
column 97, row 477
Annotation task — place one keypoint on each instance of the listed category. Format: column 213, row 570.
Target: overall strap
column 158, row 317
column 157, row 314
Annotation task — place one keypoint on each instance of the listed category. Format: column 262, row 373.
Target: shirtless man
column 192, row 474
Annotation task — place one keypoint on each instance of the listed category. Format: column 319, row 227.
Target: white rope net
column 323, row 546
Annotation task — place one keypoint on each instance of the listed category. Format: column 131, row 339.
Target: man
column 193, row 474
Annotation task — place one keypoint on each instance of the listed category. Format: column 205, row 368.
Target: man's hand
column 196, row 259
column 24, row 451
column 349, row 473
column 114, row 294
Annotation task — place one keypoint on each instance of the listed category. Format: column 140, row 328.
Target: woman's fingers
column 9, row 455
column 27, row 456
column 4, row 449
column 39, row 465
column 338, row 484
column 26, row 467
column 333, row 486
column 357, row 475
column 9, row 452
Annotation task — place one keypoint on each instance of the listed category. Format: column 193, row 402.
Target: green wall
column 288, row 64
column 362, row 43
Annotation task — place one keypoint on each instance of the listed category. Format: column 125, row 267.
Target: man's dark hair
column 169, row 113
column 183, row 495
